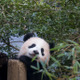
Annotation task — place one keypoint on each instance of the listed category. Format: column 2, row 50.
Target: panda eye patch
column 33, row 45
column 42, row 51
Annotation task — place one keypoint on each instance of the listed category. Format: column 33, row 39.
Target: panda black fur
column 34, row 46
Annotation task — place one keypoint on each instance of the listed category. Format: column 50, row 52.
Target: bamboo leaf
column 56, row 61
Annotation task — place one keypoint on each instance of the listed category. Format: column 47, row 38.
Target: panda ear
column 27, row 36
column 51, row 45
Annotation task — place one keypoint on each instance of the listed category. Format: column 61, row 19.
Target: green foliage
column 58, row 19
column 68, row 58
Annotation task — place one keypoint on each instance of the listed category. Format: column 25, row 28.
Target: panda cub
column 34, row 46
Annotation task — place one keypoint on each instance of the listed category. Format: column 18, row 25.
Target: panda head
column 36, row 46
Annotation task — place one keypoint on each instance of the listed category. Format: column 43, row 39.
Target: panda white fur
column 34, row 46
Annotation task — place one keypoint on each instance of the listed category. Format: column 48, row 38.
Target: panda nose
column 36, row 52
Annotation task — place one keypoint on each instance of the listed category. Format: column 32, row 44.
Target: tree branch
column 8, row 44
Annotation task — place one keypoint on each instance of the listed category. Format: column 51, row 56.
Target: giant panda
column 34, row 46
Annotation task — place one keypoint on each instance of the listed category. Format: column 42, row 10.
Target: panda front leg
column 31, row 73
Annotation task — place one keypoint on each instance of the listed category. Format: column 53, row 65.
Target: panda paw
column 25, row 59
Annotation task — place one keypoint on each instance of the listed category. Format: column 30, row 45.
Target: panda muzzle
column 36, row 52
